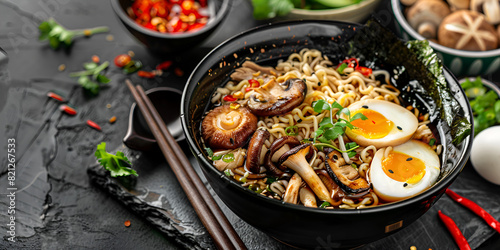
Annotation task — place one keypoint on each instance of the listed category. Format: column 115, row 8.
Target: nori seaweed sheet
column 418, row 69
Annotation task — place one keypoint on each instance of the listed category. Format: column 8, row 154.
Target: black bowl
column 296, row 225
column 171, row 43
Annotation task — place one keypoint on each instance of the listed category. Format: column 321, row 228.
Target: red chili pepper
column 230, row 98
column 195, row 26
column 164, row 65
column 93, row 125
column 67, row 109
column 364, row 70
column 350, row 62
column 475, row 208
column 146, row 74
column 56, row 96
column 454, row 231
column 253, row 84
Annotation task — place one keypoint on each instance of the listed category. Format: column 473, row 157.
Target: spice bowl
column 171, row 43
column 167, row 102
column 460, row 62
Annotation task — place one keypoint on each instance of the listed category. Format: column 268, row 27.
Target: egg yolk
column 403, row 168
column 375, row 127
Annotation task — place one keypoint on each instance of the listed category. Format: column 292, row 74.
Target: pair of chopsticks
column 216, row 223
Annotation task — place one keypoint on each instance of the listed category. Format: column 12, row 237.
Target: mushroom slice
column 228, row 128
column 248, row 69
column 238, row 155
column 277, row 149
column 346, row 176
column 336, row 192
column 255, row 149
column 275, row 98
column 307, row 197
column 295, row 159
column 292, row 189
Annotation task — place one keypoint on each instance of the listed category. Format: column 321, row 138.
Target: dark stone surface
column 60, row 206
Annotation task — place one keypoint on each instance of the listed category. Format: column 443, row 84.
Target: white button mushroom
column 426, row 15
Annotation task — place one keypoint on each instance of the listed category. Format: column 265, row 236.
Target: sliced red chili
column 454, row 231
column 94, row 125
column 122, row 60
column 364, row 70
column 146, row 74
column 164, row 65
column 195, row 26
column 253, row 84
column 492, row 222
column 230, row 98
column 67, row 109
column 56, row 97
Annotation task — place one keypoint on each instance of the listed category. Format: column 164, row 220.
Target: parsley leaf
column 116, row 164
column 91, row 78
column 58, row 35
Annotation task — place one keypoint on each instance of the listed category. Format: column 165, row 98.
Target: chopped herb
column 58, row 35
column 406, row 184
column 271, row 179
column 216, row 157
column 117, row 165
column 390, row 171
column 292, row 130
column 341, row 68
column 432, row 141
column 91, row 78
column 400, row 128
column 227, row 158
column 228, row 172
column 485, row 104
column 324, row 204
column 409, row 159
column 209, row 152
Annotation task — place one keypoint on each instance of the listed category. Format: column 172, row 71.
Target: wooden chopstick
column 216, row 223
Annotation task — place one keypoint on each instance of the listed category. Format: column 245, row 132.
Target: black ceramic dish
column 296, row 225
column 167, row 102
column 171, row 43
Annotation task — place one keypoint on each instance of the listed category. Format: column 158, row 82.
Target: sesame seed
column 406, row 184
column 390, row 171
column 364, row 106
column 409, row 159
column 231, row 140
column 400, row 128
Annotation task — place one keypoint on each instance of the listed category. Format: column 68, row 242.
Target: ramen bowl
column 291, row 224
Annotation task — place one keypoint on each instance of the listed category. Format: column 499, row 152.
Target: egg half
column 408, row 169
column 388, row 124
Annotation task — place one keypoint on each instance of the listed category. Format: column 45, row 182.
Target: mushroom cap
column 275, row 98
column 490, row 8
column 459, row 4
column 254, row 150
column 467, row 30
column 427, row 11
column 228, row 128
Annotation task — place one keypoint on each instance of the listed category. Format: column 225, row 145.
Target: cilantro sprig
column 92, row 78
column 58, row 35
column 331, row 129
column 117, row 165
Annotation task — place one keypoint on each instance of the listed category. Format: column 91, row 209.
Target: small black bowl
column 295, row 225
column 167, row 102
column 171, row 43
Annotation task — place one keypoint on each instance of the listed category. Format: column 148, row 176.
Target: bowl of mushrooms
column 464, row 33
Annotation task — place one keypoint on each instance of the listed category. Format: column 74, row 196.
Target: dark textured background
column 58, row 207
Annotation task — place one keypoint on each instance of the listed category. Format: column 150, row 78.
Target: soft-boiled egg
column 407, row 170
column 388, row 124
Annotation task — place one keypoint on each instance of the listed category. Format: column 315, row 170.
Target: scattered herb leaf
column 117, row 165
column 58, row 35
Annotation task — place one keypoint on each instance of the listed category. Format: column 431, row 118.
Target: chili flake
column 67, row 109
column 112, row 119
column 127, row 223
column 93, row 125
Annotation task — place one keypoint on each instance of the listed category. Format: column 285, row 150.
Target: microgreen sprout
column 91, row 78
